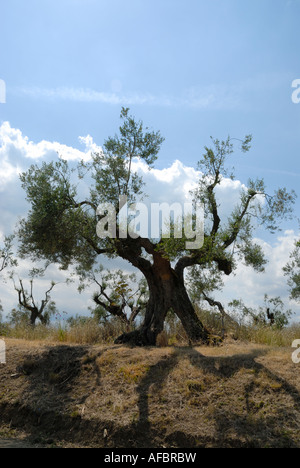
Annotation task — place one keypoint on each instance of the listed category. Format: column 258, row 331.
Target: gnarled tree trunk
column 166, row 291
column 34, row 315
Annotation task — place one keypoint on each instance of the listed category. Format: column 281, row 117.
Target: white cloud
column 16, row 150
column 8, row 170
column 217, row 96
column 175, row 183
column 252, row 286
column 17, row 153
column 90, row 95
column 172, row 184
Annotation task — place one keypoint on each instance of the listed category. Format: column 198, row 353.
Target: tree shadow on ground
column 260, row 432
column 44, row 411
column 52, row 377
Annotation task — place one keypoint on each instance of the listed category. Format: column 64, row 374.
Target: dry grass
column 71, row 385
column 90, row 332
column 272, row 336
column 236, row 395
column 87, row 332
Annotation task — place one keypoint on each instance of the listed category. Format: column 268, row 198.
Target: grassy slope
column 236, row 395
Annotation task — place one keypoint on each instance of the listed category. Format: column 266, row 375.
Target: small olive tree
column 271, row 314
column 43, row 310
column 28, row 304
column 118, row 294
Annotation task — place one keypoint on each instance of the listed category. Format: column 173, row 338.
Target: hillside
column 235, row 395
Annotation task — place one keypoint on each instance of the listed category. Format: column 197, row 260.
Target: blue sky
column 189, row 68
column 192, row 69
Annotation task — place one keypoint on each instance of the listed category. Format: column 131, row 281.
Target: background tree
column 242, row 313
column 61, row 225
column 271, row 314
column 29, row 305
column 274, row 312
column 118, row 294
column 292, row 271
column 19, row 317
column 7, row 260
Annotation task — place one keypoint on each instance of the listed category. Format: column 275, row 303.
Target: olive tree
column 61, row 224
column 27, row 302
column 118, row 294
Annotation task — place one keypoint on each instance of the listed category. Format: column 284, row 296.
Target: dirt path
column 14, row 443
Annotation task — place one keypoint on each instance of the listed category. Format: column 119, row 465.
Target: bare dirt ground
column 235, row 395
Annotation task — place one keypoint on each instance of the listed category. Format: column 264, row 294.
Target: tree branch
column 235, row 232
column 213, row 203
column 83, row 203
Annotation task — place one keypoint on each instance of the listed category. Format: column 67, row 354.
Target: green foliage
column 201, row 280
column 111, row 168
column 292, row 271
column 49, row 311
column 7, row 259
column 21, row 315
column 62, row 228
column 255, row 208
column 55, row 228
column 230, row 241
column 18, row 316
column 272, row 313
column 99, row 314
column 117, row 293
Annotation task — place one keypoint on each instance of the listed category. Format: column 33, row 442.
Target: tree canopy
column 61, row 224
